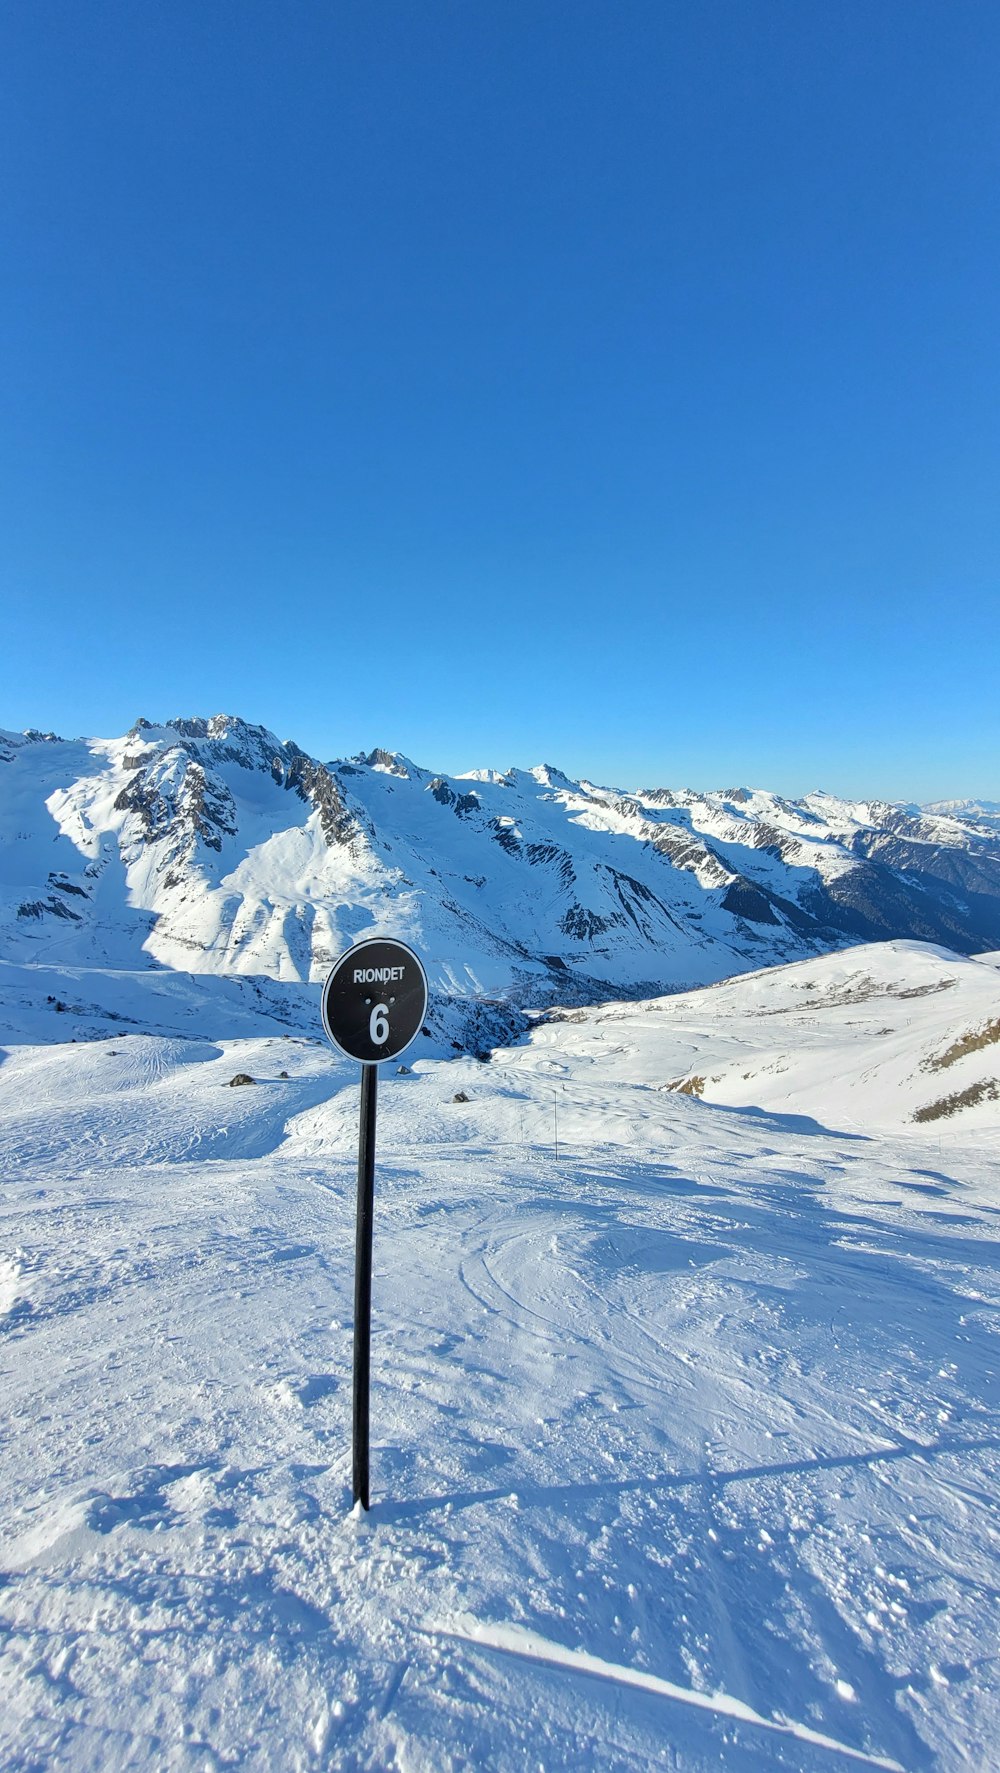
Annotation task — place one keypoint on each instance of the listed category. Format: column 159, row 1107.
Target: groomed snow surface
column 684, row 1412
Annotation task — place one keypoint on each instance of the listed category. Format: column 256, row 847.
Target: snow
column 684, row 1412
column 860, row 1039
column 211, row 846
column 527, row 1643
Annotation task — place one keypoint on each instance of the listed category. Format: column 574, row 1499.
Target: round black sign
column 375, row 1001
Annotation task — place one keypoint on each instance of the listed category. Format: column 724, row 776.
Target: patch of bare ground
column 923, row 990
column 972, row 1041
column 688, row 1086
column 864, row 990
column 986, row 1091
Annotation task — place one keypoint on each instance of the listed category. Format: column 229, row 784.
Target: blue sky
column 502, row 380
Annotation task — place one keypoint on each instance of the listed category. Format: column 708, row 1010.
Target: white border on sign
column 349, row 954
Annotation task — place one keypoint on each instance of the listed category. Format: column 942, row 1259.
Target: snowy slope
column 880, row 1036
column 685, row 1415
column 211, row 846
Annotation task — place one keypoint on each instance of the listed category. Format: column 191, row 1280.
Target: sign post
column 374, row 1004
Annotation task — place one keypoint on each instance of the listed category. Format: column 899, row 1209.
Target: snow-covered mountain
column 212, row 846
column 983, row 814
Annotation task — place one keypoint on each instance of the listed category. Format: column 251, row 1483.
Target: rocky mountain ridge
column 210, row 845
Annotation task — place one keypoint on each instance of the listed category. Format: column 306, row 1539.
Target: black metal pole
column 363, row 1280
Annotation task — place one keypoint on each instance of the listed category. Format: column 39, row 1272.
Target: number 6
column 378, row 1025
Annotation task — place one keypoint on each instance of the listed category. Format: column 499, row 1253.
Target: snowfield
column 685, row 1406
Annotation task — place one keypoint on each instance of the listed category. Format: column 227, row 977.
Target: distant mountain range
column 213, row 846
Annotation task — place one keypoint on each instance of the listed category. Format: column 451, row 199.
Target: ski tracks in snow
column 709, row 1436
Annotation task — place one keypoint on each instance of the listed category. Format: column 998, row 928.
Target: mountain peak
column 210, row 845
column 393, row 763
column 550, row 777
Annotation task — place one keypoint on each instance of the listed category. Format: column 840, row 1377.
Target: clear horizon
column 505, row 383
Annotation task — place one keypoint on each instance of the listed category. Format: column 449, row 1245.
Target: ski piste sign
column 373, row 1005
column 375, row 1001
